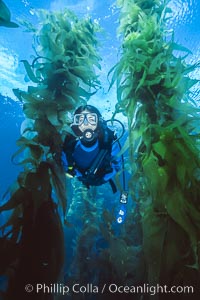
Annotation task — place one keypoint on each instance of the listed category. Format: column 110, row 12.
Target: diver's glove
column 109, row 175
column 71, row 171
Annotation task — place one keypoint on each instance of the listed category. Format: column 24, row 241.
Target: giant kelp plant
column 154, row 92
column 63, row 76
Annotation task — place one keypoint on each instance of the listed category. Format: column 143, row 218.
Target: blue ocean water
column 16, row 45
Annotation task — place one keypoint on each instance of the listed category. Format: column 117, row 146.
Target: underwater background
column 85, row 246
column 16, row 45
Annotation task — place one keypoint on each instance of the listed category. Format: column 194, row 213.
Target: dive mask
column 85, row 118
column 84, row 125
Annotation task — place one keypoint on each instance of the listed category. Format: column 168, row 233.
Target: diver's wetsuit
column 82, row 158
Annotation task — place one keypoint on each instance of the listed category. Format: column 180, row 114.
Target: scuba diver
column 91, row 154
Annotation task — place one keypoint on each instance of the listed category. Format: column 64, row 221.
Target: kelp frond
column 63, row 76
column 154, row 80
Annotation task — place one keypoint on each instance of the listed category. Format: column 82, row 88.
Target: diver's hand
column 109, row 175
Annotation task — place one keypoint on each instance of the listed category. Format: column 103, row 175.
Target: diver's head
column 86, row 123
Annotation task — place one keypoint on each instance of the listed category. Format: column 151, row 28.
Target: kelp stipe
column 63, row 76
column 100, row 254
column 84, row 265
column 154, row 92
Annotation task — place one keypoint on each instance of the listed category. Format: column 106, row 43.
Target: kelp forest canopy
column 154, row 91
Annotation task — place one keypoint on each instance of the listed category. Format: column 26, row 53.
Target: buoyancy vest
column 72, row 148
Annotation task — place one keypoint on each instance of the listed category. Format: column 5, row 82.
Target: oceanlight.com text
column 63, row 289
column 151, row 289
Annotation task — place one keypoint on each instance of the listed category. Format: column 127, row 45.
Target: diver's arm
column 69, row 170
column 64, row 161
column 116, row 162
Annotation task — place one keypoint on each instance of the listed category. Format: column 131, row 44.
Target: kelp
column 63, row 76
column 120, row 258
column 154, row 91
column 84, row 263
column 5, row 16
column 100, row 253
